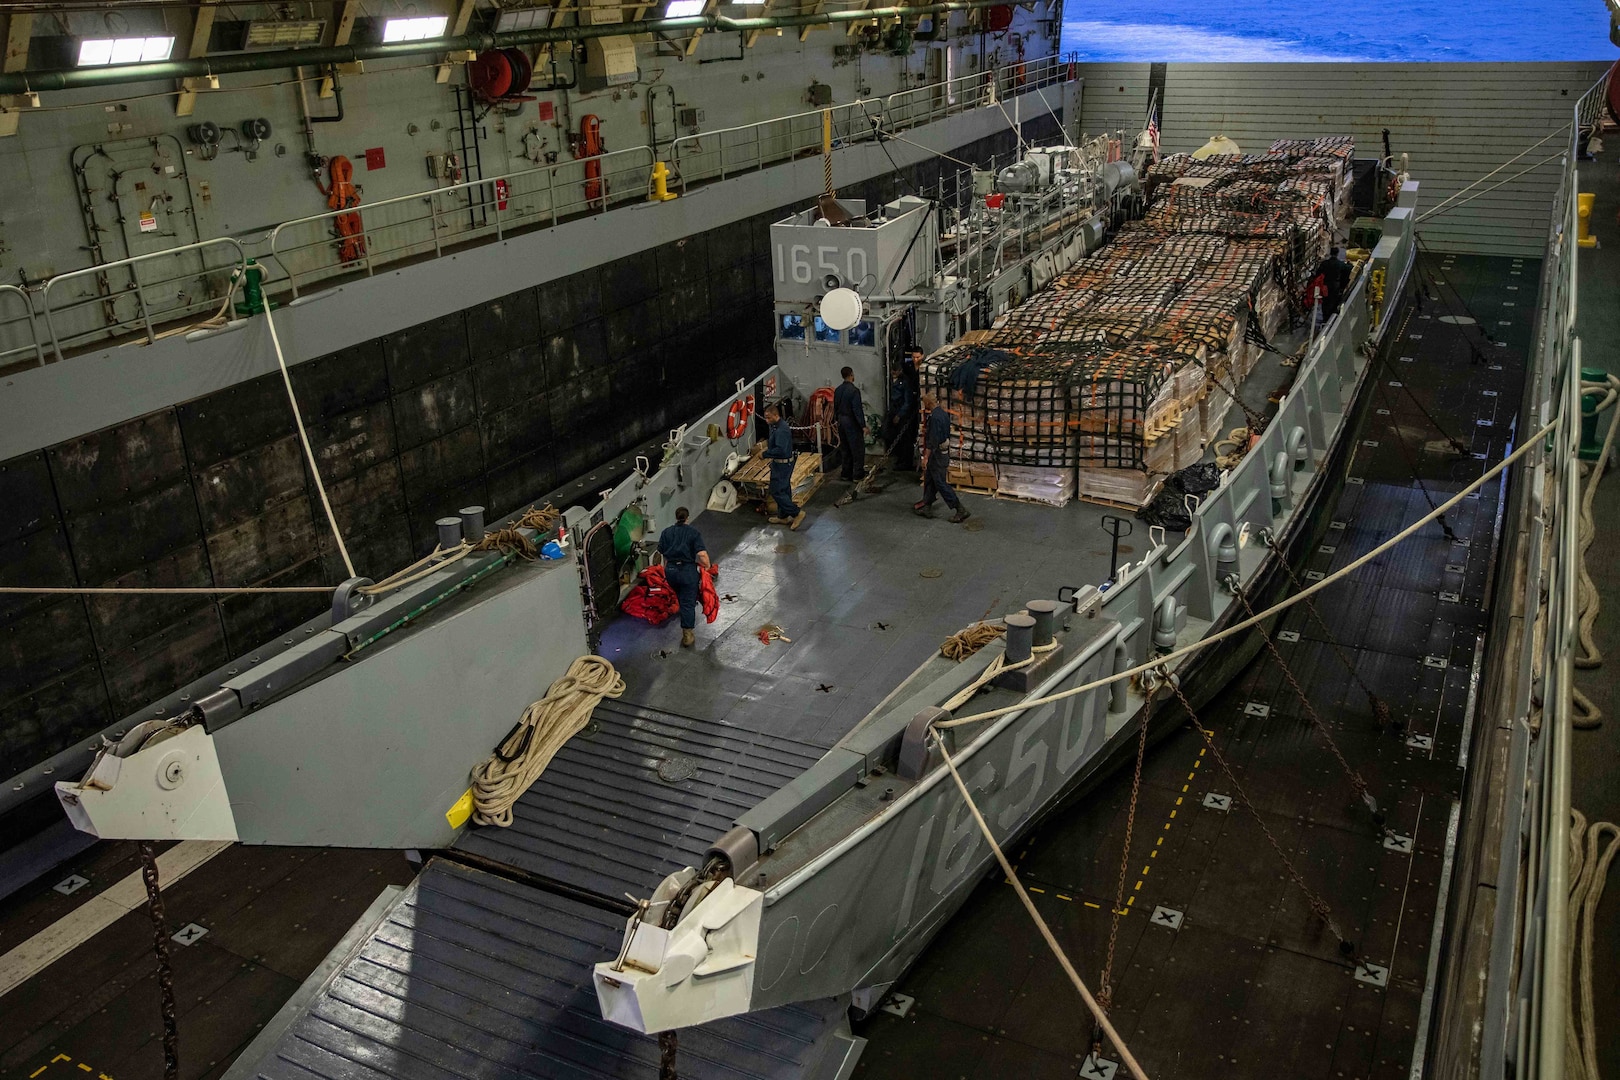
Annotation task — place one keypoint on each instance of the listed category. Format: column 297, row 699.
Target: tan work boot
column 777, row 520
column 687, row 638
column 797, row 521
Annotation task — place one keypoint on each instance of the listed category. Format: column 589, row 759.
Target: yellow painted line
column 1172, row 814
column 1190, row 775
column 1154, row 854
column 1034, row 889
column 1129, row 900
column 85, row 1067
column 1161, row 839
column 1184, row 788
column 1060, row 896
column 1201, row 751
column 60, row 1057
column 96, row 914
column 1146, row 869
column 1178, row 800
column 1137, row 886
column 1167, row 826
column 1089, row 904
column 37, row 1071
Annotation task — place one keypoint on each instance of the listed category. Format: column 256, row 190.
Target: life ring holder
column 737, row 418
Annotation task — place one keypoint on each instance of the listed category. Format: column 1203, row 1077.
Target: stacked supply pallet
column 1124, row 369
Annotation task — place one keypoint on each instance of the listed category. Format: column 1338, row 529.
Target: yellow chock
column 1583, row 215
column 460, row 810
column 660, row 183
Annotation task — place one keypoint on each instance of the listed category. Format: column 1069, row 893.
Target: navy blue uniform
column 680, row 545
column 903, row 421
column 936, row 440
column 779, row 452
column 1336, row 276
column 851, row 417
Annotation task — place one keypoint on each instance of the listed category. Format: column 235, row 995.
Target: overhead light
column 284, row 34
column 682, row 9
column 420, row 28
column 534, row 18
column 99, row 52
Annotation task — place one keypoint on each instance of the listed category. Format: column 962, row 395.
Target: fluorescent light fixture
column 284, row 34
column 99, row 52
column 417, row 29
column 534, row 18
column 681, row 9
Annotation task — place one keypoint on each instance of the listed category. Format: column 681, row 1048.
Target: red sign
column 547, row 110
column 374, row 158
column 502, row 190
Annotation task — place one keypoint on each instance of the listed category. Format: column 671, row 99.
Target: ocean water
column 1279, row 30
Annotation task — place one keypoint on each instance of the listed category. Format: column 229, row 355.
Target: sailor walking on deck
column 779, row 452
column 1335, row 271
column 685, row 559
column 850, row 415
column 937, row 463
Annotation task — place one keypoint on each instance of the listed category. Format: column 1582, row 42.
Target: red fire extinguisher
column 590, row 148
column 502, row 190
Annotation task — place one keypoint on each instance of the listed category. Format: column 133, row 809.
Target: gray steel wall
column 1457, row 121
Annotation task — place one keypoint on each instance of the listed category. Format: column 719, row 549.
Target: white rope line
column 1499, row 168
column 1589, row 861
column 1500, row 183
column 1288, row 602
column 421, row 568
column 1125, row 1054
column 502, row 778
column 286, row 377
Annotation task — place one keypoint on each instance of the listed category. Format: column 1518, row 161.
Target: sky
column 1267, row 30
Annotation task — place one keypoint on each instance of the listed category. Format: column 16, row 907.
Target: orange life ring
column 742, row 411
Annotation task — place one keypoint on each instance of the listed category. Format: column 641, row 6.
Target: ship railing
column 729, row 152
column 364, row 238
column 154, row 294
column 1510, row 928
column 150, row 296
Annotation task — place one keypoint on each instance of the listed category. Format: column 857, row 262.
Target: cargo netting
column 1123, row 368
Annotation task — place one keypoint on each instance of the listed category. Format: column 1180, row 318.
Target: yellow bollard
column 1583, row 214
column 660, row 183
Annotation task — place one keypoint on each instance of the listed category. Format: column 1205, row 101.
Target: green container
column 253, row 301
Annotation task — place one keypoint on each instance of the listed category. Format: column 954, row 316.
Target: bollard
column 1044, row 612
column 449, row 532
column 1020, row 637
column 472, row 523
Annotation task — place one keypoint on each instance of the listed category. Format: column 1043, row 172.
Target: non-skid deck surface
column 474, row 976
column 636, row 796
column 1219, row 969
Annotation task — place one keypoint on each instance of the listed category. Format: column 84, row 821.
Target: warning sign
column 148, row 221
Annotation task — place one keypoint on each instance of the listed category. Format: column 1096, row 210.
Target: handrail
column 33, row 326
column 1521, row 1029
column 495, row 205
column 237, row 265
column 490, row 201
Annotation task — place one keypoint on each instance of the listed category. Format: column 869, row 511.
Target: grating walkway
column 1219, row 969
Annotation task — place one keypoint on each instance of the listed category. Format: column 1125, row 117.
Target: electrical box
column 690, row 118
column 820, row 94
column 609, row 61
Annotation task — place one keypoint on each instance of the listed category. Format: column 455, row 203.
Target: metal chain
column 1257, row 423
column 669, row 1041
column 1380, row 709
column 1105, row 985
column 160, row 946
column 1319, row 907
column 1357, row 784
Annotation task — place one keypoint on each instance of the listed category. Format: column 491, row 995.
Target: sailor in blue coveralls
column 684, row 557
column 779, row 452
column 937, row 463
column 850, row 415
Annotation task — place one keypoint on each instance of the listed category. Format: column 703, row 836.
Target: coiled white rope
column 1589, row 860
column 502, row 778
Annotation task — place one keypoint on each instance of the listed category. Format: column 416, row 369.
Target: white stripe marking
column 99, row 912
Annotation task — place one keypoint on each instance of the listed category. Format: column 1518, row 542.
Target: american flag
column 1153, row 133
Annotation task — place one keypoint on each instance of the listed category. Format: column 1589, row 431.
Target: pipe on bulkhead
column 1223, row 546
column 70, row 78
column 1280, row 481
